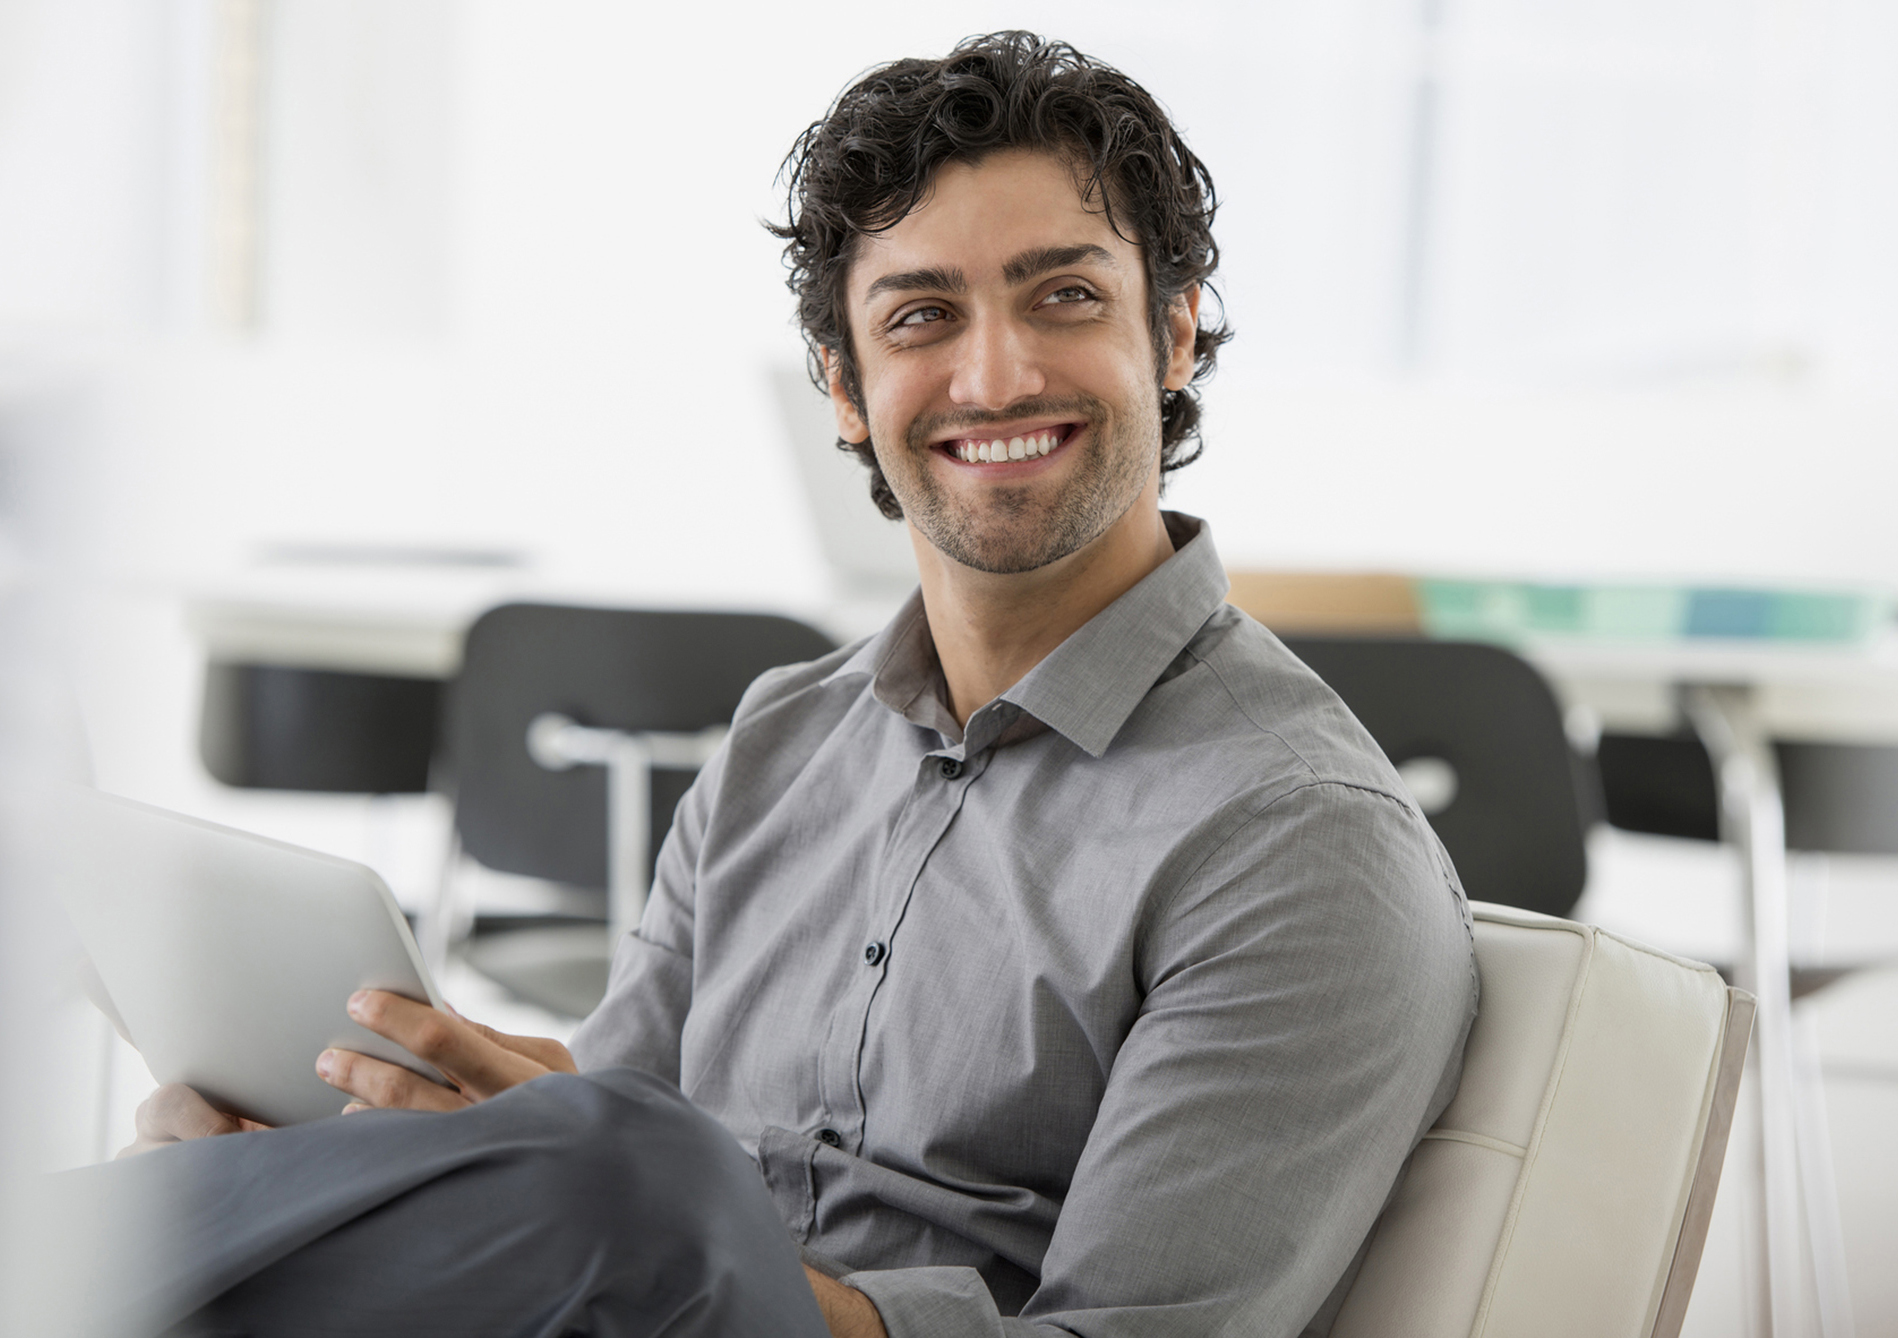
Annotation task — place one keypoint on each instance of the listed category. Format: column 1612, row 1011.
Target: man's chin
column 1004, row 554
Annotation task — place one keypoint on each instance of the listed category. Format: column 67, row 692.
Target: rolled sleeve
column 927, row 1302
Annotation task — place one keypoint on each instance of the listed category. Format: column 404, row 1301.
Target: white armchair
column 1568, row 1187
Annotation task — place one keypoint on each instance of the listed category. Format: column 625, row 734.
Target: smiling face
column 1007, row 367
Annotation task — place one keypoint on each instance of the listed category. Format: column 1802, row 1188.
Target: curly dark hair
column 872, row 158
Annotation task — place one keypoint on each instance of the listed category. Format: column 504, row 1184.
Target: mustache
column 932, row 427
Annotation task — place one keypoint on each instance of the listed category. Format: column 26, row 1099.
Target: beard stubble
column 1013, row 530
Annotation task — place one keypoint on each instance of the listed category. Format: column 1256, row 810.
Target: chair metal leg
column 555, row 742
column 1797, row 1248
column 1832, row 1290
column 628, row 832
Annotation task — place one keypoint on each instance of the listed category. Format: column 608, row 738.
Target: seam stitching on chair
column 1494, row 912
column 1638, row 946
column 1474, row 1139
column 1557, row 1072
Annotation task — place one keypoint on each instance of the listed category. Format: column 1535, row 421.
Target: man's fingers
column 424, row 1032
column 543, row 1050
column 385, row 1086
column 468, row 1053
column 175, row 1112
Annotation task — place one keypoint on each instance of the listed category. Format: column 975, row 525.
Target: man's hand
column 479, row 1060
column 848, row 1311
column 174, row 1113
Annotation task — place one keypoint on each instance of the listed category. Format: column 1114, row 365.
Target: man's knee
column 620, row 1150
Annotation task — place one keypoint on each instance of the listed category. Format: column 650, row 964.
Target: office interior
column 328, row 325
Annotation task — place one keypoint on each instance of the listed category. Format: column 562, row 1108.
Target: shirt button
column 950, row 768
column 874, row 953
column 830, row 1137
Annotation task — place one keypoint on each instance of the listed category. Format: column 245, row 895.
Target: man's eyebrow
column 1044, row 258
column 1016, row 270
column 911, row 280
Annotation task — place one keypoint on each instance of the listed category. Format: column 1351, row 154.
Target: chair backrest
column 1568, row 1187
column 1839, row 797
column 280, row 727
column 1515, row 817
column 628, row 669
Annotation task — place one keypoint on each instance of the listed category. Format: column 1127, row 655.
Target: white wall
column 514, row 291
column 1566, row 290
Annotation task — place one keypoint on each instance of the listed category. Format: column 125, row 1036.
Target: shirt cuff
column 931, row 1302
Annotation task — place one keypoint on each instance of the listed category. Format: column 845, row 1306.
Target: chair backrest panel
column 1528, row 984
column 1607, row 1178
column 1515, row 823
column 1587, row 1131
column 627, row 669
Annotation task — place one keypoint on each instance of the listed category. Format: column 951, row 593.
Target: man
column 1065, row 957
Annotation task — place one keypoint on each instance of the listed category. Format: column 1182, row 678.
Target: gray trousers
column 602, row 1205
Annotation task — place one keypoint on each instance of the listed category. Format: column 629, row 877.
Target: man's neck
column 991, row 630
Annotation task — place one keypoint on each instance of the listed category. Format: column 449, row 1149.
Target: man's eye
column 1067, row 296
column 922, row 316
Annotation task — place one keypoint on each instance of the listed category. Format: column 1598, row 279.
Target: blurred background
column 327, row 324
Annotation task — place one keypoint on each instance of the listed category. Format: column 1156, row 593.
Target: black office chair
column 658, row 684
column 279, row 727
column 1477, row 735
column 1839, row 798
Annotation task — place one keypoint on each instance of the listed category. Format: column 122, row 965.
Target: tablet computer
column 228, row 956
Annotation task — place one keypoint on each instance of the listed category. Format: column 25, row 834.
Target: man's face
column 1006, row 364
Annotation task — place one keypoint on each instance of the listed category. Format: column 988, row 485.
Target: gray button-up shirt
column 1116, row 1012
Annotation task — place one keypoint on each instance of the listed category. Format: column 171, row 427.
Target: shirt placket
column 942, row 779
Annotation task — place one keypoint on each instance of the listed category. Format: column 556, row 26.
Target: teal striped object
column 1512, row 612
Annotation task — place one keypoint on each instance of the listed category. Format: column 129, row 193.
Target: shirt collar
column 904, row 673
column 1088, row 685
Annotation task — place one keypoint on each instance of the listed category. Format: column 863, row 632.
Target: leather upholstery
column 1550, row 1198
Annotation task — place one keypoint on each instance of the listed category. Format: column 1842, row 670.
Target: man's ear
column 850, row 424
column 1183, row 318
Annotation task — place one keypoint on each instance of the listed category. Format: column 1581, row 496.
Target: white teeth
column 1030, row 447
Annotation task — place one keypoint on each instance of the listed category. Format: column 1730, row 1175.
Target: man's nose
column 997, row 365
